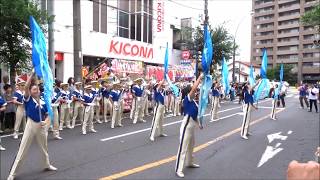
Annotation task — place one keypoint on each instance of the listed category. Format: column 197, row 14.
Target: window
column 99, row 16
column 292, row 30
column 290, row 56
column 308, row 46
column 288, row 22
column 287, row 48
column 307, row 55
column 263, row 18
column 289, row 13
column 307, row 37
column 290, row 4
column 288, row 39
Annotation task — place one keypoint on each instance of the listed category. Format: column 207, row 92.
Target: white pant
column 273, row 110
column 55, row 125
column 157, row 122
column 138, row 110
column 171, row 103
column 184, row 156
column 116, row 114
column 20, row 118
column 77, row 112
column 246, row 120
column 145, row 106
column 214, row 111
column 96, row 114
column 40, row 132
column 133, row 105
column 107, row 107
column 176, row 110
column 88, row 118
column 64, row 115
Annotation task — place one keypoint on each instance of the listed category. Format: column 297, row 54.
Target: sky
column 231, row 13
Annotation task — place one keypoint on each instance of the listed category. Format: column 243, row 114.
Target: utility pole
column 206, row 17
column 77, row 49
column 51, row 50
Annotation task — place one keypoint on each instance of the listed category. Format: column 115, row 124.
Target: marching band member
column 121, row 100
column 88, row 102
column 37, row 122
column 97, row 97
column 64, row 106
column 3, row 105
column 107, row 106
column 114, row 98
column 275, row 98
column 157, row 121
column 187, row 139
column 215, row 102
column 248, row 103
column 77, row 104
column 177, row 103
column 137, row 90
column 171, row 101
column 133, row 104
column 145, row 104
column 55, row 104
column 20, row 113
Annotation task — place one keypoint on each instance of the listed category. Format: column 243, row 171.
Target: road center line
column 172, row 158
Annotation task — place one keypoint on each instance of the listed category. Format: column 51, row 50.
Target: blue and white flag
column 264, row 86
column 207, row 81
column 251, row 76
column 225, row 77
column 40, row 63
column 281, row 74
column 173, row 87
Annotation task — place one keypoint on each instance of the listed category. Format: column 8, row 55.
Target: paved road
column 127, row 153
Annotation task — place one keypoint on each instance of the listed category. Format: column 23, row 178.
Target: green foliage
column 222, row 40
column 312, row 17
column 15, row 41
column 274, row 74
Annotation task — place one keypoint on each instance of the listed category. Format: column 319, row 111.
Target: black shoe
column 309, row 111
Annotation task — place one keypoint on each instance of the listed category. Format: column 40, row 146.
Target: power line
column 198, row 9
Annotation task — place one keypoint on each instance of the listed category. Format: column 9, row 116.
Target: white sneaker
column 60, row 128
column 152, row 139
column 69, row 127
column 2, row 148
column 163, row 135
column 51, row 168
column 120, row 125
column 93, row 130
column 194, row 166
column 143, row 121
column 245, row 137
column 15, row 136
column 180, row 174
column 112, row 127
column 10, row 177
column 58, row 138
column 84, row 132
column 99, row 122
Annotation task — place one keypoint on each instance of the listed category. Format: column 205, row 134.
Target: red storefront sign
column 130, row 49
column 58, row 56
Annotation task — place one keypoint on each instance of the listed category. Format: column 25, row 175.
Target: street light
column 234, row 47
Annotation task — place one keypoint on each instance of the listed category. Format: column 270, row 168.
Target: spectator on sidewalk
column 313, row 96
column 283, row 93
column 303, row 95
column 10, row 112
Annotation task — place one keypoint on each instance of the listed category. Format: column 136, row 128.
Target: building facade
column 128, row 31
column 276, row 26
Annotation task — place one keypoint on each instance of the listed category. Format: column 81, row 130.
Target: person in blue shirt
column 37, row 123
column 20, row 113
column 2, row 108
column 138, row 90
column 114, row 97
column 88, row 102
column 157, row 121
column 55, row 101
column 215, row 101
column 303, row 91
column 97, row 97
column 64, row 106
column 248, row 104
column 187, row 138
column 77, row 104
column 177, row 102
column 275, row 98
column 107, row 106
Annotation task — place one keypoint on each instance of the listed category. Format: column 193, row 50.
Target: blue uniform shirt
column 65, row 95
column 77, row 94
column 55, row 97
column 95, row 92
column 303, row 91
column 138, row 91
column 2, row 102
column 19, row 96
column 33, row 109
column 115, row 95
column 190, row 108
column 87, row 98
column 215, row 92
column 105, row 92
column 159, row 96
column 248, row 98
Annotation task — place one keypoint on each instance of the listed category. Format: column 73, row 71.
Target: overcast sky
column 230, row 12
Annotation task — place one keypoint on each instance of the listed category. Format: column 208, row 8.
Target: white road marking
column 268, row 154
column 225, row 117
column 277, row 135
column 289, row 132
column 268, row 107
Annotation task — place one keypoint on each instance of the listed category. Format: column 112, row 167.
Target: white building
column 133, row 30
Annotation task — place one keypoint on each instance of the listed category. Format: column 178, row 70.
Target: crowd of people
column 101, row 101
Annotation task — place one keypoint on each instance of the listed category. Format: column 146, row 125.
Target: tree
column 312, row 17
column 15, row 46
column 288, row 75
column 222, row 41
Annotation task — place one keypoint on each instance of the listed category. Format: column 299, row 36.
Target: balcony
column 283, row 52
column 313, row 50
column 310, row 70
column 264, row 13
column 263, row 29
column 306, row 32
column 313, row 3
column 263, row 5
column 288, row 17
column 288, row 26
column 260, row 53
column 265, row 21
column 292, row 7
column 287, row 60
column 263, row 37
column 263, row 45
column 285, row 1
column 310, row 59
column 288, row 34
column 307, row 41
column 289, row 43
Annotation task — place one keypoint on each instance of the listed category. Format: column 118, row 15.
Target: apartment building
column 276, row 26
